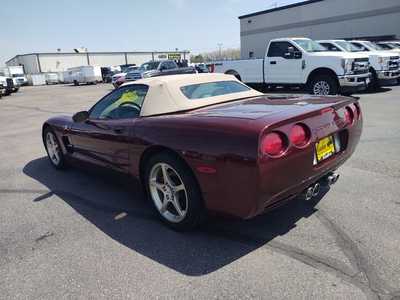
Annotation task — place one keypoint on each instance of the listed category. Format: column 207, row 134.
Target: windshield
column 152, row 65
column 310, row 45
column 348, row 46
column 387, row 46
column 372, row 46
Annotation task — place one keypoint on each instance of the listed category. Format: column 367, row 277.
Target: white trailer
column 85, row 74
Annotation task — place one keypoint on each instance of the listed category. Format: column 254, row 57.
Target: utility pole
column 220, row 51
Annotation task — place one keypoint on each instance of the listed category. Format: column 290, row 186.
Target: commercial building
column 34, row 63
column 320, row 19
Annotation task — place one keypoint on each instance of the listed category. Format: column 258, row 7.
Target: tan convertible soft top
column 165, row 96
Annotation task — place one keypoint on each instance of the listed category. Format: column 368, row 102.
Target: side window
column 170, row 65
column 362, row 48
column 330, row 47
column 278, row 49
column 123, row 103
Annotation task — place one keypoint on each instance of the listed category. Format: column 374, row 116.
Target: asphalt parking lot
column 75, row 234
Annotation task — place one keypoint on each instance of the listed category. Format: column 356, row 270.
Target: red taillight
column 273, row 144
column 299, row 135
column 348, row 115
column 358, row 110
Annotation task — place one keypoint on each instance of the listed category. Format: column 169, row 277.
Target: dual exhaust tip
column 314, row 190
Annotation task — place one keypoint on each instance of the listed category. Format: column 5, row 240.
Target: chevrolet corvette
column 207, row 143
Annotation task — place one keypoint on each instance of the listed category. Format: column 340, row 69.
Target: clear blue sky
column 123, row 25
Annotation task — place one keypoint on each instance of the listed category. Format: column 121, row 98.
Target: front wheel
column 174, row 192
column 323, row 85
column 53, row 149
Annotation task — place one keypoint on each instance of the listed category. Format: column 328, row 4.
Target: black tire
column 195, row 211
column 373, row 86
column 76, row 83
column 327, row 81
column 61, row 164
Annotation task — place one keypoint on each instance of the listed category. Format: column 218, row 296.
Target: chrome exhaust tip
column 332, row 179
column 316, row 188
column 308, row 193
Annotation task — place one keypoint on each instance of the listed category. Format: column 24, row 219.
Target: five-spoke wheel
column 168, row 192
column 53, row 149
column 174, row 191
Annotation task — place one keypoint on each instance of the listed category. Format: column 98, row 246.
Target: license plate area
column 325, row 148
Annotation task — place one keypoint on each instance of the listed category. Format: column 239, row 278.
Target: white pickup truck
column 302, row 62
column 391, row 62
column 381, row 62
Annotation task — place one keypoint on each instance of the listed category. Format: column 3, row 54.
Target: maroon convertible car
column 208, row 143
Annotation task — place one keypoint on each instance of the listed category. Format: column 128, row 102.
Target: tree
column 197, row 58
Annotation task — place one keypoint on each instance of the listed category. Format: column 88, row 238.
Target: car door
column 283, row 63
column 105, row 137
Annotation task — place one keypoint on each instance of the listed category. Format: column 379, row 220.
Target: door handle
column 119, row 130
column 273, row 62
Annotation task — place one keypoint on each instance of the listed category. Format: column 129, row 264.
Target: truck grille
column 361, row 66
column 10, row 83
column 363, row 59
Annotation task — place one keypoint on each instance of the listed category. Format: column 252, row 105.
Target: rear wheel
column 53, row 149
column 174, row 192
column 323, row 85
column 76, row 83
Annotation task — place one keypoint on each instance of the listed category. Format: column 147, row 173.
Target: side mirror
column 298, row 55
column 288, row 55
column 162, row 68
column 80, row 117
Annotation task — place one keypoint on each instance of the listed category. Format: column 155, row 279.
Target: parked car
column 85, row 74
column 301, row 62
column 157, row 68
column 119, row 78
column 106, row 74
column 390, row 62
column 192, row 138
column 201, row 68
column 379, row 61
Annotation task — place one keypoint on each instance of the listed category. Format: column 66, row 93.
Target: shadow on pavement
column 117, row 207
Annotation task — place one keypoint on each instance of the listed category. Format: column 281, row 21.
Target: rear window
column 211, row 89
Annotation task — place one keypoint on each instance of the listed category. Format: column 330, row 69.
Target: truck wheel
column 76, row 83
column 323, row 85
column 374, row 83
column 174, row 192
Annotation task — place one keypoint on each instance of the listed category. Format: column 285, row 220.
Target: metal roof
column 279, row 8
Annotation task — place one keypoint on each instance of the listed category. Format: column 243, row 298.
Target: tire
column 167, row 195
column 76, row 83
column 53, row 149
column 326, row 84
column 373, row 86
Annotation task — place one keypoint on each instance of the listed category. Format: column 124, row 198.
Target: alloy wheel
column 53, row 149
column 168, row 192
column 321, row 88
